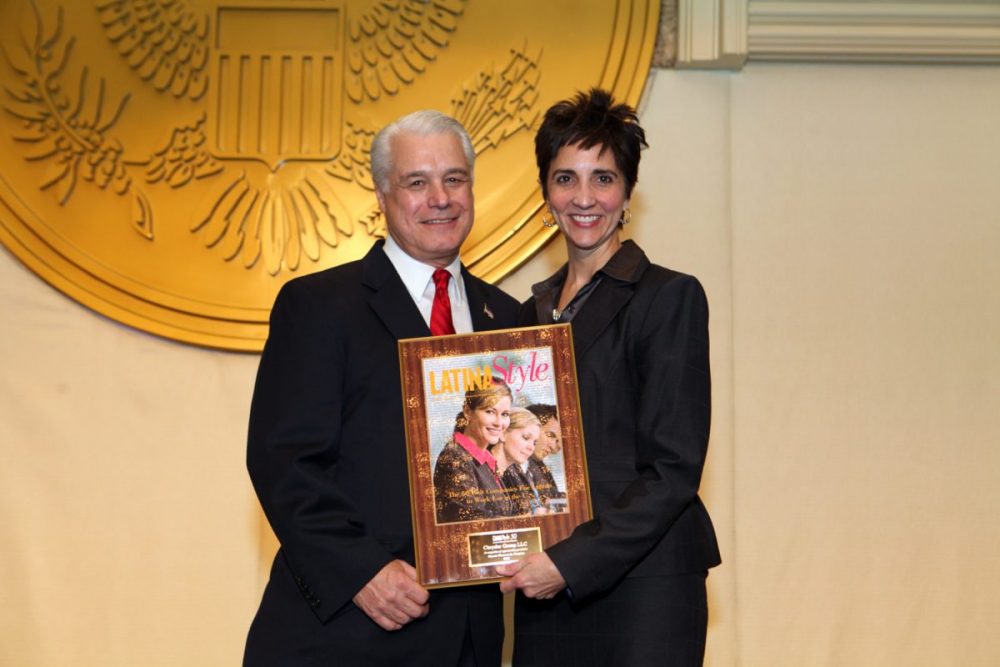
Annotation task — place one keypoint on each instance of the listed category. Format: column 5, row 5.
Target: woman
column 628, row 587
column 467, row 484
column 512, row 455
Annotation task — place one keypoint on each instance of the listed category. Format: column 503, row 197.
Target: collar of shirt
column 419, row 282
column 625, row 266
column 480, row 455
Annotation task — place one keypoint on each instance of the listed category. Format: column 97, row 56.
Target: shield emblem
column 276, row 81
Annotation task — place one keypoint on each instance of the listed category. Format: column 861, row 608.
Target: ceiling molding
column 711, row 34
column 904, row 31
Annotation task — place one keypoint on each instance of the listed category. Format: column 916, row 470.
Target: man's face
column 550, row 439
column 428, row 206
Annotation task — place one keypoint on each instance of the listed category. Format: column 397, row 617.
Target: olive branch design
column 68, row 128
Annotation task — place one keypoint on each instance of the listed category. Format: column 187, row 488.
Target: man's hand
column 536, row 576
column 393, row 597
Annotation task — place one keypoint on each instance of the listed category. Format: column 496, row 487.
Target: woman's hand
column 536, row 576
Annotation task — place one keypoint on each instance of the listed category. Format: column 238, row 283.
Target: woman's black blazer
column 641, row 345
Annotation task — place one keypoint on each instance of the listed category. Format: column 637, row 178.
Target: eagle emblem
column 277, row 99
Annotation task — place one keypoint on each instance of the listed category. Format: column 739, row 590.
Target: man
column 549, row 442
column 326, row 449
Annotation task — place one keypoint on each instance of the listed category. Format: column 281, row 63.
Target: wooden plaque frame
column 537, row 364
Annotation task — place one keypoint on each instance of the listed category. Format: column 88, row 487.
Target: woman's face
column 487, row 424
column 586, row 197
column 550, row 439
column 519, row 443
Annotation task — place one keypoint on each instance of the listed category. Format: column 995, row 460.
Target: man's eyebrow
column 421, row 173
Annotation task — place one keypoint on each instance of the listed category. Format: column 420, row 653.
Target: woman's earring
column 548, row 221
column 626, row 217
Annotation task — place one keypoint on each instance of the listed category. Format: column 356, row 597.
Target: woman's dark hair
column 591, row 119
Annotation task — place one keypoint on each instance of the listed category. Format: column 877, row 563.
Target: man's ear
column 381, row 200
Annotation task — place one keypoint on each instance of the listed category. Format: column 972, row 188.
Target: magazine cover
column 495, row 449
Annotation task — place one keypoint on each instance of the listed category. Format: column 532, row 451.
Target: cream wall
column 845, row 222
column 866, row 310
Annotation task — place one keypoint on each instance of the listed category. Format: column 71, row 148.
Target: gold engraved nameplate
column 171, row 163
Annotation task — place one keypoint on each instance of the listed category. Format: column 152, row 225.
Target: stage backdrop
column 845, row 221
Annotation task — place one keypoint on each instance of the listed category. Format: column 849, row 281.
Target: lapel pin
column 489, row 313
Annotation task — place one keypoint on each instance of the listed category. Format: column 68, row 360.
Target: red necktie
column 441, row 311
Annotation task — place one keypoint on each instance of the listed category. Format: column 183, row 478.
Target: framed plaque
column 494, row 448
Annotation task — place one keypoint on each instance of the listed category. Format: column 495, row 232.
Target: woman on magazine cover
column 628, row 587
column 513, row 454
column 467, row 484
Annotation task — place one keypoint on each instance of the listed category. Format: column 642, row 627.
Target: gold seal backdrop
column 172, row 163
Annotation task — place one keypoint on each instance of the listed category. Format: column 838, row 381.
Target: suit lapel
column 483, row 318
column 598, row 312
column 388, row 297
column 620, row 278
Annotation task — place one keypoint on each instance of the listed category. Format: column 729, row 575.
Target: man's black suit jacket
column 327, row 457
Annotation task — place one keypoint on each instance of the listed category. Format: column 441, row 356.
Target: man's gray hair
column 422, row 123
